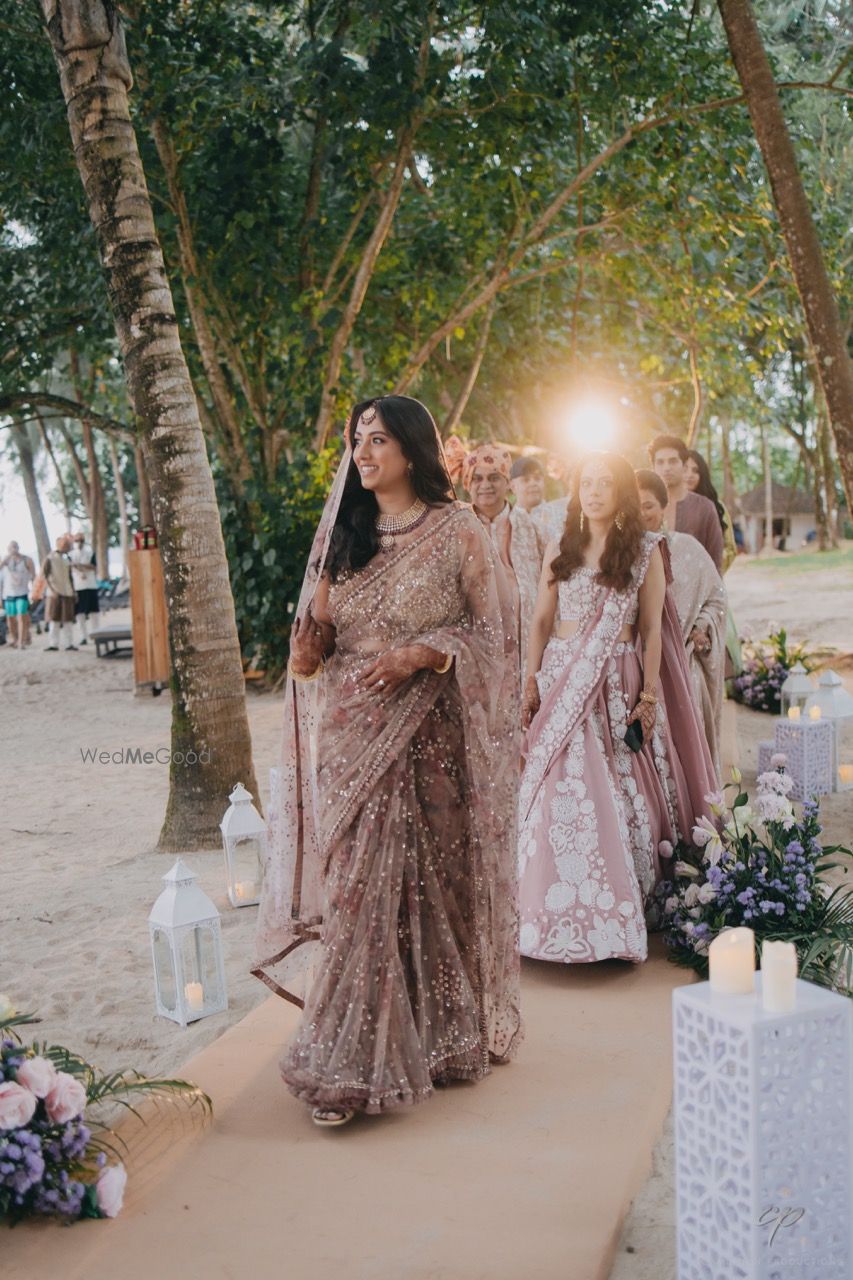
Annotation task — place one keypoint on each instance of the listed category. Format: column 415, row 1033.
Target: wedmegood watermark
column 136, row 755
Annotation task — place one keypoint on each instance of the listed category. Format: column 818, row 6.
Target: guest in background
column 528, row 483
column 686, row 512
column 16, row 574
column 513, row 534
column 698, row 476
column 85, row 580
column 700, row 601
column 60, row 605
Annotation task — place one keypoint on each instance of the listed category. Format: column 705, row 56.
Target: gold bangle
column 445, row 666
column 648, row 697
column 313, row 676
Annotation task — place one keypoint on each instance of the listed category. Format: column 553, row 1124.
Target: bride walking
column 393, row 856
column 615, row 761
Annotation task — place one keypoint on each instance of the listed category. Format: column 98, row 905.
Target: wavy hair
column 622, row 546
column 706, row 485
column 355, row 540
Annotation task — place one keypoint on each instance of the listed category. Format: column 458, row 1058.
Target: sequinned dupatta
column 360, row 736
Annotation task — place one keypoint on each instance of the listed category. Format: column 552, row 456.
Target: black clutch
column 634, row 735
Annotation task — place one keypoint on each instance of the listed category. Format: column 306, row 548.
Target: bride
column 393, row 854
column 593, row 812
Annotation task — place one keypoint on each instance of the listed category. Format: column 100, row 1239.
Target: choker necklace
column 389, row 527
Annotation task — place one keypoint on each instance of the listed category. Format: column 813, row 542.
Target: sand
column 80, row 870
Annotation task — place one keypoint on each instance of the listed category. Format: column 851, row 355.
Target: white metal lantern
column 244, row 839
column 836, row 705
column 186, row 945
column 797, row 688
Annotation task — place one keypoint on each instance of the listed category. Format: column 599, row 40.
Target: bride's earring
column 410, row 468
column 582, row 522
column 619, row 521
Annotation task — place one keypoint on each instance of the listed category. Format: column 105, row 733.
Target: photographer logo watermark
column 136, row 755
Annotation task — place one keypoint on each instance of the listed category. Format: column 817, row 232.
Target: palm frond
column 119, row 1085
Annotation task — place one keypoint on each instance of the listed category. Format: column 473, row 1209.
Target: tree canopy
column 496, row 209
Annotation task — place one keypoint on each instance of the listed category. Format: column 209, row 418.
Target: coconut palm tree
column 208, row 691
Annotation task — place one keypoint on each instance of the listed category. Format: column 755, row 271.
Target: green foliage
column 662, row 271
column 268, row 537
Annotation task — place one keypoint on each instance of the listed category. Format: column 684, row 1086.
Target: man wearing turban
column 486, row 476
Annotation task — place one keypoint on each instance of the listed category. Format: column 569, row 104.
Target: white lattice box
column 808, row 746
column 763, row 1116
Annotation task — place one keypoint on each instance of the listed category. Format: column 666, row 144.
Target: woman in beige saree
column 393, row 823
column 702, row 606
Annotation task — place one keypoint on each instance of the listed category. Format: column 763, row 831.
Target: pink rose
column 110, row 1190
column 38, row 1075
column 17, row 1105
column 779, row 760
column 665, row 849
column 66, row 1100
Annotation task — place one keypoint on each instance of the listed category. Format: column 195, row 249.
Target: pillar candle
column 195, row 995
column 793, row 713
column 814, row 713
column 731, row 960
column 778, row 976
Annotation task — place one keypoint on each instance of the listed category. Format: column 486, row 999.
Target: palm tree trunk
column 121, row 499
column 208, row 691
column 24, row 447
column 767, row 544
column 804, row 251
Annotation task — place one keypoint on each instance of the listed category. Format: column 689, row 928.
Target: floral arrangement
column 766, row 664
column 54, row 1156
column 762, row 866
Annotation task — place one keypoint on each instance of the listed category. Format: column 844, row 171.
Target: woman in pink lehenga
column 593, row 813
column 392, row 826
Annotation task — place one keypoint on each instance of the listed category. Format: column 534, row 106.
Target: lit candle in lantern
column 195, row 995
column 793, row 713
column 731, row 960
column 778, row 976
column 845, row 773
column 814, row 713
column 244, row 890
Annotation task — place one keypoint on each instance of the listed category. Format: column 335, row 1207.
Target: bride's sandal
column 331, row 1117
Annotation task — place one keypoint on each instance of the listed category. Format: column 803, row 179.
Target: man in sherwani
column 486, row 476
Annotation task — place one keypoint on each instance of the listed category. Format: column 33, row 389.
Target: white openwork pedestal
column 763, row 1115
column 808, row 748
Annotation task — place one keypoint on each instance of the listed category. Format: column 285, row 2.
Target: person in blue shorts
column 16, row 574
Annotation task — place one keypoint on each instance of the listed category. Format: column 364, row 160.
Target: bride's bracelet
column 297, row 675
column 649, row 698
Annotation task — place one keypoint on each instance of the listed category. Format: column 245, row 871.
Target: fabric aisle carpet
column 529, row 1173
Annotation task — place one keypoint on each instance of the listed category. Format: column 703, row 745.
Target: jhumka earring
column 410, row 468
column 582, row 522
column 619, row 521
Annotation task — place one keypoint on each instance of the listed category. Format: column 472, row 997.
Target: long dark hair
column 355, row 541
column 706, row 485
column 622, row 546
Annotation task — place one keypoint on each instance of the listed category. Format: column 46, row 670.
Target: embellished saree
column 393, row 850
column 592, row 813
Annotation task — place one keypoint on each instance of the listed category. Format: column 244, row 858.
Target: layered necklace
column 390, row 527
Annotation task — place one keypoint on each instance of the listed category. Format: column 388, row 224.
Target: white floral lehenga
column 593, row 813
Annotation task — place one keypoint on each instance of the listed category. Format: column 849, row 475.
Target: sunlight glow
column 590, row 424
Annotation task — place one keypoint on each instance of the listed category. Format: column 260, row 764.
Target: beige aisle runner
column 526, row 1176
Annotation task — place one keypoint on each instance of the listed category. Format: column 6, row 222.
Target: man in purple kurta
column 686, row 512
